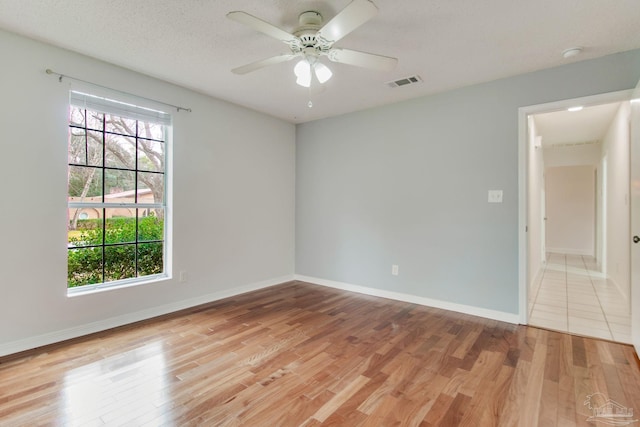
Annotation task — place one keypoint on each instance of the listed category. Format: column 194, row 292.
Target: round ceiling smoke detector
column 572, row 51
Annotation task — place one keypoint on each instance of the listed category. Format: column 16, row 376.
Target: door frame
column 523, row 237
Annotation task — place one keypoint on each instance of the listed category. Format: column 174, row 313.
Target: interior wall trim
column 569, row 251
column 523, row 113
column 414, row 299
column 102, row 325
column 113, row 322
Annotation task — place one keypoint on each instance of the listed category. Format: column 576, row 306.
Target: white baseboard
column 102, row 325
column 459, row 308
column 567, row 251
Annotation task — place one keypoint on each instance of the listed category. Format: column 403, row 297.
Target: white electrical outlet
column 183, row 276
column 394, row 270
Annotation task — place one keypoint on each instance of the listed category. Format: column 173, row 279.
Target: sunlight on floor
column 112, row 388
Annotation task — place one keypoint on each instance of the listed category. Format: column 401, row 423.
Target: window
column 116, row 193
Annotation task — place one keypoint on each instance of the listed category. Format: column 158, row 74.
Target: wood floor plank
column 299, row 354
column 548, row 412
column 535, row 382
column 340, row 397
column 456, row 410
column 487, row 408
column 438, row 410
column 348, row 411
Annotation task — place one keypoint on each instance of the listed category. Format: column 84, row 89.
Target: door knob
column 636, row 239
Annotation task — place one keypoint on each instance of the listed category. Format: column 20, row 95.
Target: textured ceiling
column 449, row 43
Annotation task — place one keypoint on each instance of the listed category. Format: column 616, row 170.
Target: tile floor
column 570, row 295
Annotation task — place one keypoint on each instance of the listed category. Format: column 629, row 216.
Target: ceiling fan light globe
column 302, row 68
column 304, row 82
column 302, row 71
column 323, row 73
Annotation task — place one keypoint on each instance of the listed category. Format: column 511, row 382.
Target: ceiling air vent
column 406, row 81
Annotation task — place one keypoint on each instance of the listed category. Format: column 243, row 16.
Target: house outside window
column 117, row 204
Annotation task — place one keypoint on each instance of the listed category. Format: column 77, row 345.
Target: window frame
column 107, row 106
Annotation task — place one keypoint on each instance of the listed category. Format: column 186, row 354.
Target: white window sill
column 121, row 284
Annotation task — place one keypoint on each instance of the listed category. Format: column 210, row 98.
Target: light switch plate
column 394, row 269
column 495, row 196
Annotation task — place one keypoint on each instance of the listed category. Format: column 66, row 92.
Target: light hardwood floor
column 304, row 355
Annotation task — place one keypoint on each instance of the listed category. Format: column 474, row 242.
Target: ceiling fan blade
column 263, row 63
column 261, row 26
column 351, row 17
column 362, row 59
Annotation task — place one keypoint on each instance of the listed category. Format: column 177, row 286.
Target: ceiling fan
column 312, row 40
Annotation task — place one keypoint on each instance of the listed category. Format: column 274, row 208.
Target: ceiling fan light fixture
column 304, row 82
column 323, row 73
column 313, row 39
column 302, row 71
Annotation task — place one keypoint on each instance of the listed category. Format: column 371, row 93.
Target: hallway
column 570, row 295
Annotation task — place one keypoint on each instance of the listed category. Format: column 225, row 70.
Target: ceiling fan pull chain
column 310, row 103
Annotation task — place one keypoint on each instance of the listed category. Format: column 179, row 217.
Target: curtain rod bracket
column 60, row 76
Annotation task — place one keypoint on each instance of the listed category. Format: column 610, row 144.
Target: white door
column 543, row 221
column 602, row 254
column 635, row 219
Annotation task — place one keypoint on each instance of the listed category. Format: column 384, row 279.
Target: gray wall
column 407, row 184
column 233, row 193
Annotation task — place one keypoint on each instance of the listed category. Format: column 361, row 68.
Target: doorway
column 577, row 216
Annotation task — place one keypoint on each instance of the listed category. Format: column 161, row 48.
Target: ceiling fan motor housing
column 309, row 24
column 310, row 18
